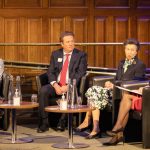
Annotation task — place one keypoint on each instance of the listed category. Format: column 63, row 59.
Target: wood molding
column 43, row 20
column 22, row 3
column 68, row 3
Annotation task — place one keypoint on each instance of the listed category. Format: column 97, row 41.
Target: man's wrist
column 52, row 83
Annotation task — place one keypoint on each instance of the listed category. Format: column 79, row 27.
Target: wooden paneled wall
column 91, row 20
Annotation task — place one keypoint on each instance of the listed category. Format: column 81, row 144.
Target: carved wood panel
column 67, row 3
column 22, row 3
column 143, row 3
column 1, row 4
column 109, row 37
column 49, row 18
column 34, row 30
column 11, row 32
column 23, row 35
column 2, row 50
column 56, row 26
column 143, row 33
column 111, row 3
column 100, row 24
column 79, row 27
column 121, row 34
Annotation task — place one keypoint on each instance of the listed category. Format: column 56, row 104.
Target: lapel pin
column 59, row 60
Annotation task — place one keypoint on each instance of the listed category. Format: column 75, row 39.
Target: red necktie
column 64, row 71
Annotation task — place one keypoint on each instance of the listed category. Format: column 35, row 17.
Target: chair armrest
column 84, row 85
column 41, row 80
column 117, row 94
column 145, row 117
column 134, row 84
column 100, row 80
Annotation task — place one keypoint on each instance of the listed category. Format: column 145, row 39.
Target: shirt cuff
column 52, row 83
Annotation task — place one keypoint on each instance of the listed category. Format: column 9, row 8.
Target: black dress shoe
column 115, row 139
column 95, row 136
column 43, row 128
column 61, row 126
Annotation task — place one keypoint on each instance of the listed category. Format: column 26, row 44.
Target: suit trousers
column 47, row 96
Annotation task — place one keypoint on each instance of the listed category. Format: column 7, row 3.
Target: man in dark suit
column 4, row 86
column 65, row 63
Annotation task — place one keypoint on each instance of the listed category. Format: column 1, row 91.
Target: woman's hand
column 109, row 85
column 140, row 90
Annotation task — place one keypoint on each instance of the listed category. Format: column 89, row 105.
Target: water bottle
column 18, row 87
column 69, row 93
column 74, row 95
column 11, row 91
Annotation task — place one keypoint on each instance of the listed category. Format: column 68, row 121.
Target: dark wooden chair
column 42, row 79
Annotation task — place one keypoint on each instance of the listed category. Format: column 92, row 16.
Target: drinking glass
column 34, row 98
column 2, row 99
column 58, row 102
column 79, row 101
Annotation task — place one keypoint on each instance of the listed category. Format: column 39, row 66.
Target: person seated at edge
column 2, row 76
column 129, row 101
column 131, row 68
column 67, row 62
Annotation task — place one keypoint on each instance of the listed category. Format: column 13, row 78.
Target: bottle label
column 16, row 101
column 63, row 104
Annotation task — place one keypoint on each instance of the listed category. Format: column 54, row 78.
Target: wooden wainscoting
column 37, row 21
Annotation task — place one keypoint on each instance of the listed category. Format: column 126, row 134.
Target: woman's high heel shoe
column 115, row 139
column 95, row 136
column 81, row 129
column 113, row 133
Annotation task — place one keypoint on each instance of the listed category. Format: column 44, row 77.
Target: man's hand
column 109, row 85
column 64, row 88
column 57, row 88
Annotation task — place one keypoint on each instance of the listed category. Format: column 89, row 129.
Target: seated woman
column 131, row 68
column 128, row 102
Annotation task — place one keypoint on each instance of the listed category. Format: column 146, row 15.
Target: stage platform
column 44, row 141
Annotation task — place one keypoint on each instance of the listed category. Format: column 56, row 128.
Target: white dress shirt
column 67, row 76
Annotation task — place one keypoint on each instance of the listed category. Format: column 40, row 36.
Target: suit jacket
column 77, row 65
column 135, row 71
column 4, row 85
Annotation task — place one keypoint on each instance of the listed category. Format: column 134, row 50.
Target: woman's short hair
column 1, row 63
column 65, row 33
column 132, row 41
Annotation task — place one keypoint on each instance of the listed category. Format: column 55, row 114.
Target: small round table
column 70, row 112
column 13, row 108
